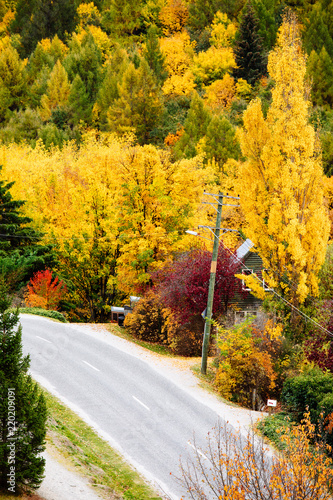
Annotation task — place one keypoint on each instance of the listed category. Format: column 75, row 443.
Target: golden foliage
column 109, row 203
column 223, row 31
column 173, row 16
column 238, row 467
column 281, row 183
column 178, row 51
column 221, row 93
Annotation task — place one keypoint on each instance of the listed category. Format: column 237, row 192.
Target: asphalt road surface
column 144, row 415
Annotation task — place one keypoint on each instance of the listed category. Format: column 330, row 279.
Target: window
column 246, row 272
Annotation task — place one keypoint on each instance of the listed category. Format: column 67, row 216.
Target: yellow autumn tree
column 219, row 59
column 111, row 210
column 281, row 182
column 57, row 93
column 178, row 51
column 173, row 16
column 158, row 200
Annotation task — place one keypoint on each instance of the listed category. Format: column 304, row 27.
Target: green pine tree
column 195, row 127
column 108, row 91
column 139, row 106
column 85, row 60
column 79, row 103
column 250, row 55
column 15, row 229
column 153, row 55
column 22, row 410
column 267, row 15
column 320, row 71
column 220, row 141
column 38, row 19
column 316, row 34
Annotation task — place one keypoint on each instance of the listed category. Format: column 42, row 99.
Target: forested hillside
column 116, row 116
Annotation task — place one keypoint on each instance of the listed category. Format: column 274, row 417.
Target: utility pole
column 210, row 299
column 208, row 319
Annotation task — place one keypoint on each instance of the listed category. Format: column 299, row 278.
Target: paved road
column 143, row 414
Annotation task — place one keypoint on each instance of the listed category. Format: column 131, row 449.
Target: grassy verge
column 43, row 312
column 270, row 426
column 92, row 456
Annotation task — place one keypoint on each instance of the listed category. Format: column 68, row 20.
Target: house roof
column 244, row 249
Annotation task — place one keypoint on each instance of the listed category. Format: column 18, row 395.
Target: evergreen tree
column 123, row 18
column 220, row 141
column 267, row 15
column 22, row 410
column 316, row 34
column 195, row 127
column 249, row 51
column 139, row 105
column 153, row 55
column 79, row 104
column 14, row 227
column 202, row 12
column 108, row 91
column 320, row 71
column 85, row 60
column 38, row 19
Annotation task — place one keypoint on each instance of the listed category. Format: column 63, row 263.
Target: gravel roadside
column 62, row 483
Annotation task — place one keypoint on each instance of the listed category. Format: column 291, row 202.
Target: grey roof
column 244, row 248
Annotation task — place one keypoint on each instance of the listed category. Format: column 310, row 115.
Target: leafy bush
column 312, row 391
column 43, row 312
column 246, row 373
column 147, row 320
column 308, row 391
column 152, row 322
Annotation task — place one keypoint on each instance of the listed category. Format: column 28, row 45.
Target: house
column 244, row 305
column 119, row 313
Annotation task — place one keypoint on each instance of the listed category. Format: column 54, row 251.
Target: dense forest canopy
column 115, row 116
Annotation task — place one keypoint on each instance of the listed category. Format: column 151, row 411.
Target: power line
column 318, row 325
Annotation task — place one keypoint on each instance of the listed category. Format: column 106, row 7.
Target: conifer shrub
column 23, row 410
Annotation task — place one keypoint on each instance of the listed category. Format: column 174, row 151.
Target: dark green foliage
column 18, row 267
column 22, row 126
column 80, row 106
column 270, row 428
column 221, row 142
column 85, row 60
column 202, row 12
column 38, row 19
column 123, row 19
column 21, row 444
column 14, row 228
column 250, row 55
column 269, row 20
column 310, row 391
column 108, row 91
column 316, row 34
column 320, row 72
column 195, row 127
column 153, row 55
